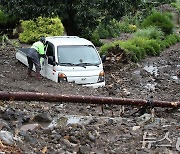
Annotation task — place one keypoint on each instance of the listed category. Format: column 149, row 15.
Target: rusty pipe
column 45, row 97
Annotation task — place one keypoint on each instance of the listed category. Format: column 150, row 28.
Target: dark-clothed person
column 35, row 53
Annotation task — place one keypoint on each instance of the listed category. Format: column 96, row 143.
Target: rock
column 110, row 122
column 84, row 149
column 29, row 127
column 2, row 76
column 13, row 114
column 6, row 137
column 144, row 118
column 43, row 117
column 91, row 137
column 3, row 124
column 9, row 114
column 27, row 137
column 136, row 128
column 73, row 139
column 69, row 144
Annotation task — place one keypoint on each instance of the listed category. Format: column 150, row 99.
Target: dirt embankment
column 84, row 128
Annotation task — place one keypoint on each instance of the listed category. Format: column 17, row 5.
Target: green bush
column 138, row 47
column 168, row 41
column 162, row 1
column 171, row 39
column 6, row 21
column 114, row 29
column 34, row 29
column 125, row 27
column 176, row 4
column 96, row 39
column 150, row 46
column 162, row 45
column 3, row 18
column 156, row 46
column 108, row 30
column 149, row 32
column 159, row 20
column 135, row 51
column 104, row 49
column 178, row 38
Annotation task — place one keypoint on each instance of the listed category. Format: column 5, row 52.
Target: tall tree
column 79, row 17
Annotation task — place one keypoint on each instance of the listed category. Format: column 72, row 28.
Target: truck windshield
column 78, row 56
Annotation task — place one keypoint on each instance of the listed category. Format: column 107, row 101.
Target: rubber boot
column 29, row 73
column 38, row 75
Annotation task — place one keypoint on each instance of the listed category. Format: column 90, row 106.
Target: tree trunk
column 45, row 97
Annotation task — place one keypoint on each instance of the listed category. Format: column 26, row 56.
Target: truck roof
column 68, row 40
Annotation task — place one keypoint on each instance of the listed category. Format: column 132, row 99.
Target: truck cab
column 71, row 59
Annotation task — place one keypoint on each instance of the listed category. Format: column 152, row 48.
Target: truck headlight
column 101, row 76
column 62, row 77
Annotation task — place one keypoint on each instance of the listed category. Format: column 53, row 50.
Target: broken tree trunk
column 45, row 97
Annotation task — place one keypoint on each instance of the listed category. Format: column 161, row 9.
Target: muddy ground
column 44, row 127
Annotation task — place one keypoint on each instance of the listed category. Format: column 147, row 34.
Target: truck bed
column 21, row 55
column 24, row 50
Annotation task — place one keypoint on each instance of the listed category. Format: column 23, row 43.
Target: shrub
column 138, row 47
column 162, row 45
column 125, row 27
column 159, row 20
column 114, row 29
column 149, row 32
column 104, row 49
column 163, row 1
column 34, row 29
column 3, row 18
column 96, row 39
column 155, row 45
column 146, row 44
column 176, row 4
column 136, row 51
column 6, row 21
column 108, row 30
column 178, row 38
column 171, row 39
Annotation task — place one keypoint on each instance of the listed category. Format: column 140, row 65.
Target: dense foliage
column 6, row 21
column 176, row 4
column 155, row 36
column 33, row 29
column 138, row 47
column 151, row 32
column 161, row 20
column 79, row 17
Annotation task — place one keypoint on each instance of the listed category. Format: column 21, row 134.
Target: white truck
column 70, row 59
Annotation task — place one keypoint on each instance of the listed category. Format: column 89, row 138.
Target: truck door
column 43, row 64
column 49, row 68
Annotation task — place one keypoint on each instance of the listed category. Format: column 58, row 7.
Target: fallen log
column 45, row 97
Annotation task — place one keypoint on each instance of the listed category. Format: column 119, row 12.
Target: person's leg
column 30, row 66
column 37, row 64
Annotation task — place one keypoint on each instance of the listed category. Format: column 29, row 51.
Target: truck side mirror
column 103, row 58
column 50, row 61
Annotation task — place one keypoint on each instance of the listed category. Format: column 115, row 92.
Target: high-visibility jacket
column 39, row 47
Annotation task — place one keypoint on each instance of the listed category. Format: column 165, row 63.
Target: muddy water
column 64, row 120
column 151, row 69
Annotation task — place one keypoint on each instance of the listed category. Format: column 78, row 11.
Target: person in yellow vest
column 33, row 57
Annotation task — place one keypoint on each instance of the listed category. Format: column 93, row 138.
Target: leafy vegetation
column 6, row 21
column 34, row 29
column 114, row 29
column 149, row 40
column 160, row 20
column 150, row 32
column 80, row 17
column 139, row 46
column 96, row 19
column 176, row 4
